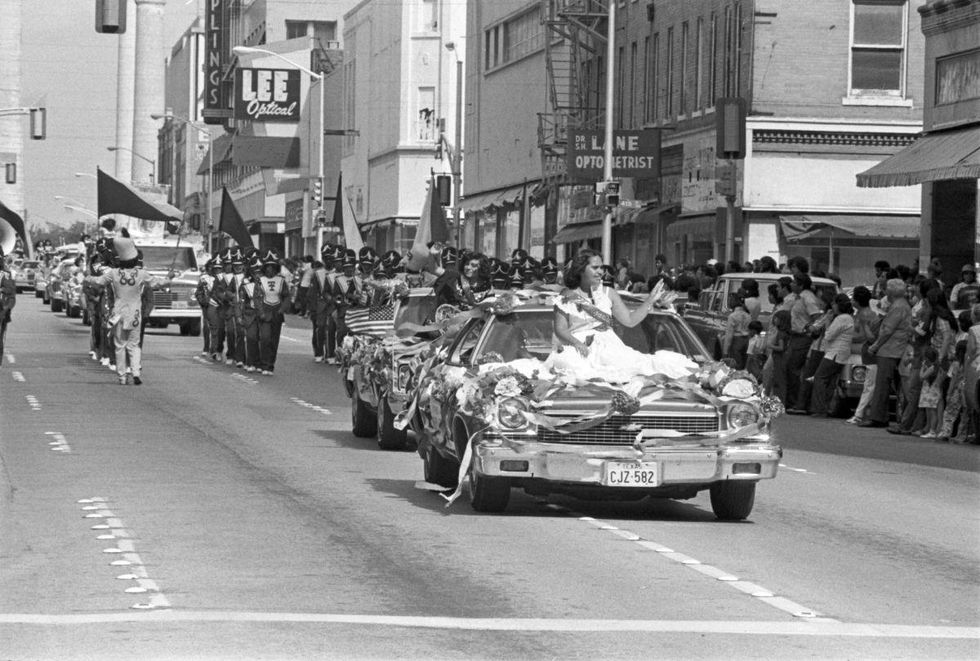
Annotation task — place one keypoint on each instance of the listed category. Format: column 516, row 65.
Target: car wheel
column 38, row 294
column 488, row 494
column 438, row 470
column 732, row 500
column 389, row 438
column 363, row 423
column 194, row 328
column 74, row 312
column 56, row 304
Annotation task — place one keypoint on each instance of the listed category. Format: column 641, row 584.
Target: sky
column 71, row 70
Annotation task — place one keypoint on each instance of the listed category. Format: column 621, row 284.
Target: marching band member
column 93, row 293
column 275, row 293
column 345, row 292
column 320, row 303
column 250, row 297
column 203, row 295
column 215, row 320
column 8, row 299
column 224, row 294
column 236, row 339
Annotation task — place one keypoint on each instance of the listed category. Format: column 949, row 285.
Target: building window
column 425, row 125
column 428, row 15
column 684, row 76
column 670, row 72
column 325, row 32
column 297, row 29
column 513, row 39
column 698, row 45
column 878, row 41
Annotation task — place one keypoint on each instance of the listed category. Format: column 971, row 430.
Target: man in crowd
column 888, row 348
column 966, row 292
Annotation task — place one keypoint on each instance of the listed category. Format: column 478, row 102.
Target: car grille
column 611, row 431
column 164, row 300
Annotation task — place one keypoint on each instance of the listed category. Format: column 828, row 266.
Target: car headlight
column 742, row 415
column 859, row 373
column 510, row 413
column 404, row 377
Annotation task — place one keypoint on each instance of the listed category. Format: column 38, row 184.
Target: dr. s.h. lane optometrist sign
column 267, row 95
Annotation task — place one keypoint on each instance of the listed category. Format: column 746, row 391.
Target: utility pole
column 608, row 147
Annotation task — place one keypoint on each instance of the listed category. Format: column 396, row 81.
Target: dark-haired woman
column 586, row 345
column 866, row 323
column 836, row 346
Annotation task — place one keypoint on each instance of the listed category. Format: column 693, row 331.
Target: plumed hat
column 391, row 259
column 270, row 258
column 350, row 257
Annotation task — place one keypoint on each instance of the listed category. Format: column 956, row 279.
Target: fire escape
column 574, row 43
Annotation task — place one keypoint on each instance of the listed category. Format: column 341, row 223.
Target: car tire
column 389, row 438
column 38, row 294
column 74, row 312
column 363, row 423
column 56, row 304
column 436, row 469
column 194, row 328
column 488, row 494
column 732, row 500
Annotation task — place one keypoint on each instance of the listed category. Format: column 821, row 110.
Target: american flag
column 376, row 320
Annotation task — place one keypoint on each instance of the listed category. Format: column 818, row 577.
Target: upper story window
column 513, row 39
column 878, row 44
column 428, row 15
column 323, row 31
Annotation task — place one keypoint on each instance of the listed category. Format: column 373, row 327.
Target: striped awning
column 953, row 154
column 498, row 198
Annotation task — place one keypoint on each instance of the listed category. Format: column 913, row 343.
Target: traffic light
column 444, row 189
column 39, row 123
column 316, row 194
column 612, row 193
column 730, row 127
column 10, row 172
column 110, row 16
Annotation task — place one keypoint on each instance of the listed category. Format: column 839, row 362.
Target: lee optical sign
column 267, row 95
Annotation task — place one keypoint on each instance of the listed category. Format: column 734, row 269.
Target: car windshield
column 415, row 310
column 163, row 258
column 528, row 334
column 822, row 290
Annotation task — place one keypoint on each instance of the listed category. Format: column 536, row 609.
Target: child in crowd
column 756, row 352
column 954, row 399
column 930, row 395
column 776, row 343
column 736, row 341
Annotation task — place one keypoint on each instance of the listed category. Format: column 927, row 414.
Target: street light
column 457, row 153
column 85, row 174
column 201, row 128
column 153, row 164
column 249, row 50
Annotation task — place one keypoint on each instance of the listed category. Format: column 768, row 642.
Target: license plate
column 182, row 305
column 630, row 474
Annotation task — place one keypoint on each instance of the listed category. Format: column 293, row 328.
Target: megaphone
column 8, row 237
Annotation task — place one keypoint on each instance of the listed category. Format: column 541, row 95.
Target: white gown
column 609, row 358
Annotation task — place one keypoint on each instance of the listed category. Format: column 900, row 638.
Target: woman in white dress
column 585, row 342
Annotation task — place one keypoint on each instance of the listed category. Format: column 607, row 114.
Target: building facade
column 399, row 99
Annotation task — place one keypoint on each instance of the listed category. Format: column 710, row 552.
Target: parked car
column 25, row 274
column 73, row 300
column 377, row 370
column 678, row 440
column 56, row 282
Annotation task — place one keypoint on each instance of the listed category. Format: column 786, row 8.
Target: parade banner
column 267, row 95
column 635, row 154
column 115, row 196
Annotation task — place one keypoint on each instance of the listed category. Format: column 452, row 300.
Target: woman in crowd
column 836, row 345
column 865, row 329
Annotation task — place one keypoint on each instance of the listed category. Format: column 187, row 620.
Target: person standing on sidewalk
column 836, row 345
column 888, row 347
column 866, row 322
column 806, row 309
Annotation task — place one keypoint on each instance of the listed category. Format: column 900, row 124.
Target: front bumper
column 750, row 460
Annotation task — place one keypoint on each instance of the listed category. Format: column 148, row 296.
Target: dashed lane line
column 58, row 442
column 822, row 628
column 756, row 591
column 312, row 407
column 33, row 402
column 795, row 470
column 18, row 377
column 10, row 358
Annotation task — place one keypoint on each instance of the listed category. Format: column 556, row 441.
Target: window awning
column 953, row 154
column 577, row 232
column 254, row 151
column 498, row 198
column 802, row 228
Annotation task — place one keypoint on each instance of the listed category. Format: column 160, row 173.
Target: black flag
column 230, row 222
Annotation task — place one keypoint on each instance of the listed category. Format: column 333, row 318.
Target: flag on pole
column 230, row 221
column 432, row 228
column 12, row 226
column 118, row 197
column 344, row 218
column 376, row 320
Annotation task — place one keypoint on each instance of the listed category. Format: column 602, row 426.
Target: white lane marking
column 762, row 594
column 204, row 361
column 816, row 628
column 125, row 548
column 18, row 376
column 247, row 379
column 312, row 407
column 60, row 444
column 33, row 402
column 288, row 339
column 9, row 357
column 796, row 470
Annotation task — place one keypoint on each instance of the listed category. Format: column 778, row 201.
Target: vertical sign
column 214, row 29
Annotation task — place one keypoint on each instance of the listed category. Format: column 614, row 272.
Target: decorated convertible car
column 493, row 413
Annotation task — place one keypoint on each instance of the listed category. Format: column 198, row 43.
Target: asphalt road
column 213, row 514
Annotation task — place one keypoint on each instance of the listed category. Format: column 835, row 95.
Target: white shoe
column 91, row 354
column 104, row 362
column 266, row 372
column 250, row 368
column 928, row 434
column 112, row 367
column 204, row 353
column 318, row 359
column 331, row 361
column 129, row 370
column 239, row 363
column 229, row 361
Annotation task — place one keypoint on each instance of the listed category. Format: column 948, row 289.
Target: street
column 214, row 514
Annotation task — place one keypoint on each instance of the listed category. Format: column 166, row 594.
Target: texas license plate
column 630, row 474
column 180, row 305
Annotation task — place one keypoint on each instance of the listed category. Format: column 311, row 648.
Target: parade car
column 173, row 303
column 56, row 282
column 25, row 274
column 378, row 369
column 488, row 414
column 73, row 301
